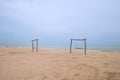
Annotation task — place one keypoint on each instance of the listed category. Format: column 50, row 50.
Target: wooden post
column 70, row 46
column 36, row 45
column 85, row 46
column 32, row 46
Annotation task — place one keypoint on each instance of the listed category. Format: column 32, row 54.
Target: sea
column 67, row 47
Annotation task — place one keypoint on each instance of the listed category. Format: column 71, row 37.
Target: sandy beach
column 49, row 64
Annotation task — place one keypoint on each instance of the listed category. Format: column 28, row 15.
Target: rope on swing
column 78, row 46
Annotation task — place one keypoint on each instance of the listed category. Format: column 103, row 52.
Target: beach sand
column 49, row 64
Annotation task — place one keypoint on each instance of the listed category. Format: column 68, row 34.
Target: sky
column 55, row 22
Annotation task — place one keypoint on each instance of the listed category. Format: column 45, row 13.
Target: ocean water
column 66, row 46
column 113, row 49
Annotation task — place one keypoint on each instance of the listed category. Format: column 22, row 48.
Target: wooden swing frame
column 35, row 46
column 84, row 40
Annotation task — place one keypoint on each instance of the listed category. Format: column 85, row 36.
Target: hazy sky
column 54, row 22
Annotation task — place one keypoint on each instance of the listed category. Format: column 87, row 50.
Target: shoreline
column 45, row 48
column 102, row 50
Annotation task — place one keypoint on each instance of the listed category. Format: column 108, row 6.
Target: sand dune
column 48, row 64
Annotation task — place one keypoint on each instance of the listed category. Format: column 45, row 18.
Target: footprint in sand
column 79, row 72
column 82, row 72
column 111, row 76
